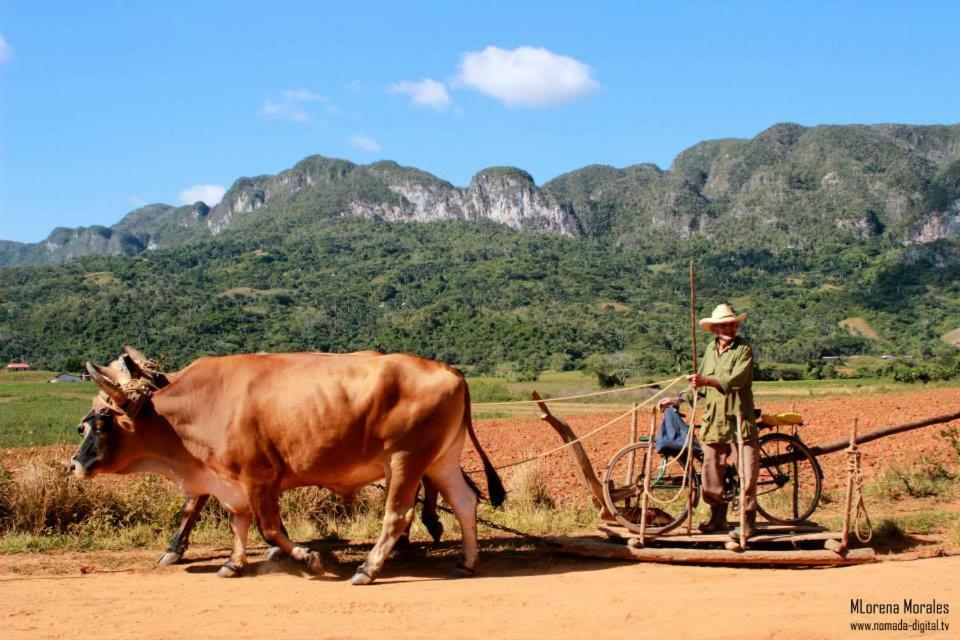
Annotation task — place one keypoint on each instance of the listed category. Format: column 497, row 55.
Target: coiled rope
column 862, row 527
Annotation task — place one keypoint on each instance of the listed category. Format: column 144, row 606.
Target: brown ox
column 134, row 366
column 245, row 428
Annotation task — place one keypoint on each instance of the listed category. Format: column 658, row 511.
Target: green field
column 34, row 412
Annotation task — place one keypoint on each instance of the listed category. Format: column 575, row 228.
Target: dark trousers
column 716, row 456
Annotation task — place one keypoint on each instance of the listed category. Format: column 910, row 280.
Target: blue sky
column 108, row 105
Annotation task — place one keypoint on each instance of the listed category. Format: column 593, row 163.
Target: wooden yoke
column 581, row 462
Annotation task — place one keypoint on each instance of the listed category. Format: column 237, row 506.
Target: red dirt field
column 518, row 595
column 521, row 592
column 826, row 420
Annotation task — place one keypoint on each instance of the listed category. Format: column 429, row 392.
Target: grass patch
column 926, row 479
column 42, row 508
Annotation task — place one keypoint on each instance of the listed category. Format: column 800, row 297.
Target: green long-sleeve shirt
column 733, row 369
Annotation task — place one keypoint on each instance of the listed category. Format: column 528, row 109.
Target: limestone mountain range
column 790, row 186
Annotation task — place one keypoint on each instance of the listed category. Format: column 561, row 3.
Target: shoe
column 751, row 526
column 717, row 521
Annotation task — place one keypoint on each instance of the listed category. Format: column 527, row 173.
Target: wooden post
column 581, row 462
column 849, row 501
column 633, row 438
column 689, row 471
column 648, row 460
column 743, row 484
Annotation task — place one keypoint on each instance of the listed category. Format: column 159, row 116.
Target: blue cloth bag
column 673, row 434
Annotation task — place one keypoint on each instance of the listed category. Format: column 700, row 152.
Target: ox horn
column 101, row 375
column 135, row 354
column 133, row 366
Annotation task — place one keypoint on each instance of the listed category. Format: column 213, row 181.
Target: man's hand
column 668, row 402
column 696, row 381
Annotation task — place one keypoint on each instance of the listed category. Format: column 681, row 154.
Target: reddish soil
column 826, row 420
column 518, row 595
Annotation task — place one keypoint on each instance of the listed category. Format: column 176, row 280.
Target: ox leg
column 458, row 494
column 192, row 507
column 266, row 509
column 401, row 498
column 240, row 525
column 428, row 512
column 404, row 546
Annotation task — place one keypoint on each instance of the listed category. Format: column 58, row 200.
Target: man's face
column 725, row 330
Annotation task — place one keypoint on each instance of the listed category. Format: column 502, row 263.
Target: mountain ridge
column 789, row 184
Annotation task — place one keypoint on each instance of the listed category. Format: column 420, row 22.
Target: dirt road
column 521, row 594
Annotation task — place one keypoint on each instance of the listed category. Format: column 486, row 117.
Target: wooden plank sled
column 593, row 548
column 775, row 533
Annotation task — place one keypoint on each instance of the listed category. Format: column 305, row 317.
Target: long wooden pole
column 743, row 484
column 693, row 314
column 831, row 447
column 806, row 557
column 581, row 461
column 693, row 416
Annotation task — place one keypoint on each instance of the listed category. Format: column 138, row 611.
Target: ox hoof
column 272, row 554
column 169, row 558
column 230, row 570
column 314, row 563
column 360, row 578
column 462, row 571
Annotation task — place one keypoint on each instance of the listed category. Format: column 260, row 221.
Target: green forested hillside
column 474, row 293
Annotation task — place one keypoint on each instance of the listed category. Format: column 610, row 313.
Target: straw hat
column 723, row 313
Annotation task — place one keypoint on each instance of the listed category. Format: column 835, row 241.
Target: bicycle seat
column 785, row 419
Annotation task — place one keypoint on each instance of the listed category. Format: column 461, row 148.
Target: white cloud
column 302, row 95
column 289, row 106
column 428, row 93
column 209, row 194
column 136, row 201
column 526, row 76
column 6, row 54
column 364, row 143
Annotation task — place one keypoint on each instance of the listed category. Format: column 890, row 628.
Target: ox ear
column 104, row 379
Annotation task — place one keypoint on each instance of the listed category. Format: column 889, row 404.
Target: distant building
column 19, row 366
column 66, row 377
column 887, row 356
column 830, row 359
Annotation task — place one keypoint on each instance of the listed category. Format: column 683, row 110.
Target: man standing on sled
column 725, row 382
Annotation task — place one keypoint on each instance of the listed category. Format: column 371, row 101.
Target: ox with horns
column 245, row 428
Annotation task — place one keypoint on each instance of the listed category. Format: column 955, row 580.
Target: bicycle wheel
column 668, row 492
column 790, row 482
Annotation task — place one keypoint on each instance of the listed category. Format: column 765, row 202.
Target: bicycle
column 789, row 486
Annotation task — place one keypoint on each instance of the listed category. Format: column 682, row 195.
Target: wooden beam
column 598, row 549
column 883, row 432
column 580, row 460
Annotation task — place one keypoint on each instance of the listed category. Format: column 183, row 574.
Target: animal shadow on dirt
column 418, row 561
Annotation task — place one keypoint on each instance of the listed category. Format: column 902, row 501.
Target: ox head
column 109, row 429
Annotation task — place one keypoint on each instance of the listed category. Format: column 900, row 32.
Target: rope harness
column 669, row 384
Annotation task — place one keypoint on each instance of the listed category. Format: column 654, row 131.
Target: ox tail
column 494, row 485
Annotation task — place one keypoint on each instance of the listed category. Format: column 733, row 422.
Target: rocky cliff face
column 788, row 187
